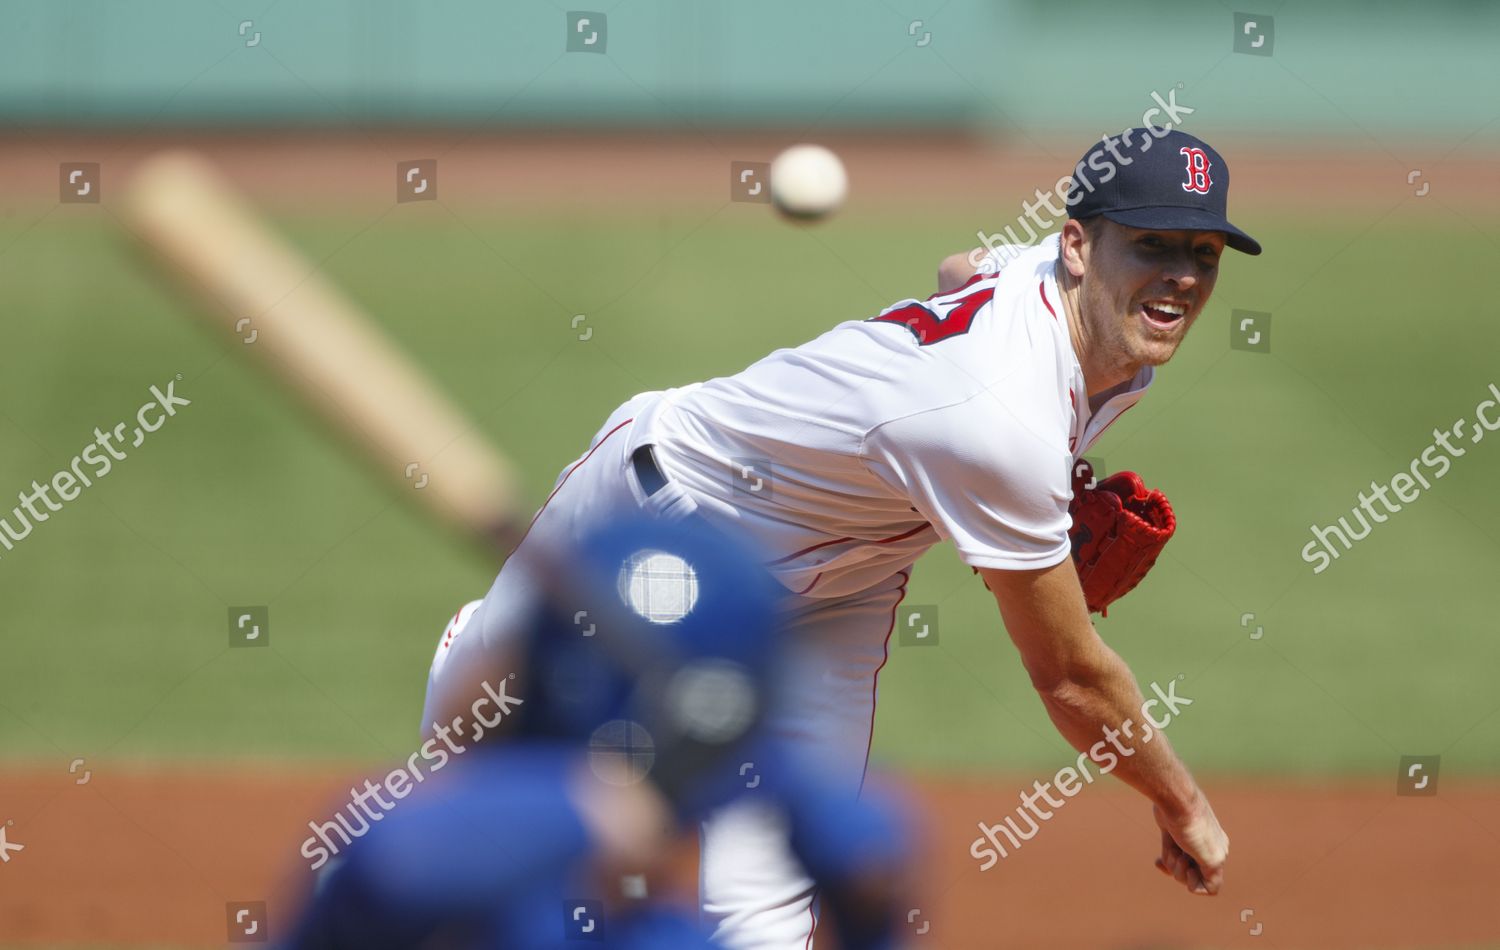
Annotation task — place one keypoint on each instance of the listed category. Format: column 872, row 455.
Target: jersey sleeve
column 993, row 477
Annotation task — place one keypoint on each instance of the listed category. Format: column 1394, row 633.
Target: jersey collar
column 1088, row 426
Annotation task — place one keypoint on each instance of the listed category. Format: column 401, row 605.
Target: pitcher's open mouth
column 1163, row 315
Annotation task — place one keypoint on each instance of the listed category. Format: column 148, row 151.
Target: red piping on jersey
column 869, row 743
column 810, row 585
column 451, row 633
column 823, row 544
column 875, row 680
column 568, row 474
column 1114, row 420
column 1073, row 404
column 1042, row 288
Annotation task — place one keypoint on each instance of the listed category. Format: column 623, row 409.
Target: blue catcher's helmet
column 655, row 642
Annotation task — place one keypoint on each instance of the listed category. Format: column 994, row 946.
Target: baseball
column 808, row 181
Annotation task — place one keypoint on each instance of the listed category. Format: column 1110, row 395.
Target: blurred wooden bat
column 319, row 343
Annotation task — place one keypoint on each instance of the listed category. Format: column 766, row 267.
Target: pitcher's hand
column 1193, row 848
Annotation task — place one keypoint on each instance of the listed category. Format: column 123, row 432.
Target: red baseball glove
column 1119, row 528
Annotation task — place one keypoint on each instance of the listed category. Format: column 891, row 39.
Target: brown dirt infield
column 140, row 857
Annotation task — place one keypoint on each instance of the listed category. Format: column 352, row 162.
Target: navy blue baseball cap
column 1159, row 179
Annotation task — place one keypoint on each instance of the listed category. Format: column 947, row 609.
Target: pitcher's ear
column 1074, row 238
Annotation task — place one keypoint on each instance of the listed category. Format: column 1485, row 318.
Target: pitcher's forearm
column 1099, row 713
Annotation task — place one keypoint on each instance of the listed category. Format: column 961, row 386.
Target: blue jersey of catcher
column 499, row 857
column 513, row 846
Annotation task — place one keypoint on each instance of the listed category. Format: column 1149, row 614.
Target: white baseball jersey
column 957, row 417
column 847, row 457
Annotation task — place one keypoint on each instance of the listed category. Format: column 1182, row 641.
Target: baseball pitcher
column 961, row 418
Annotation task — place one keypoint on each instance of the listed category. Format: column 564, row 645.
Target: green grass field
column 115, row 610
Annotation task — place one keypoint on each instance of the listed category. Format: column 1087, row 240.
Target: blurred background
column 583, row 241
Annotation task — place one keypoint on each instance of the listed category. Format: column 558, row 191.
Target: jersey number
column 928, row 326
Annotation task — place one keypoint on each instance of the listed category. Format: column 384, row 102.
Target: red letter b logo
column 1197, row 171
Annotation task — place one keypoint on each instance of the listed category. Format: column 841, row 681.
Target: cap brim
column 1185, row 219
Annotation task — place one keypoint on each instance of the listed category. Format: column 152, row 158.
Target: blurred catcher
column 651, row 660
